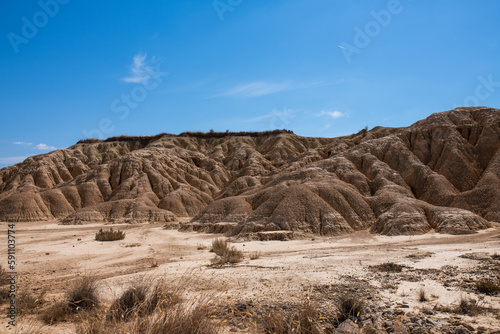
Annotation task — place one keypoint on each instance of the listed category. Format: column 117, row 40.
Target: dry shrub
column 255, row 255
column 488, row 286
column 57, row 313
column 350, row 306
column 161, row 297
column 129, row 302
column 303, row 319
column 468, row 306
column 219, row 246
column 419, row 256
column 224, row 253
column 109, row 235
column 181, row 319
column 82, row 296
column 94, row 323
column 422, row 296
column 83, row 293
column 389, row 267
column 27, row 302
column 143, row 298
column 495, row 256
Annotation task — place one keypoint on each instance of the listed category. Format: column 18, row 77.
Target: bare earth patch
column 296, row 281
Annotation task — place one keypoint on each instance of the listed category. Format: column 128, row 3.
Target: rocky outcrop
column 441, row 173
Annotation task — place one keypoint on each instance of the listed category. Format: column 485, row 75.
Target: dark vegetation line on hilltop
column 198, row 134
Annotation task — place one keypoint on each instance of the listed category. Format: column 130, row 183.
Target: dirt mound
column 441, row 173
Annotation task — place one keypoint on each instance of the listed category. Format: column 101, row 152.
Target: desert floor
column 50, row 256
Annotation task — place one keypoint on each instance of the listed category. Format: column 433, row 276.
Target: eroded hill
column 441, row 173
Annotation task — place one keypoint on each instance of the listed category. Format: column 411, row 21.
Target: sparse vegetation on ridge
column 195, row 134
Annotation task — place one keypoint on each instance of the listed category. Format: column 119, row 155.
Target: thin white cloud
column 22, row 143
column 331, row 114
column 12, row 160
column 44, row 147
column 255, row 89
column 284, row 114
column 140, row 69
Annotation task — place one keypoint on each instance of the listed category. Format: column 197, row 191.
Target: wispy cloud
column 331, row 114
column 12, row 160
column 44, row 147
column 327, row 116
column 140, row 69
column 284, row 114
column 255, row 89
column 22, row 143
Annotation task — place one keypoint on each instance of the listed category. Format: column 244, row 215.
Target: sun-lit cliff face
column 441, row 173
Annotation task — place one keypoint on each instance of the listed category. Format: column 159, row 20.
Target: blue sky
column 77, row 69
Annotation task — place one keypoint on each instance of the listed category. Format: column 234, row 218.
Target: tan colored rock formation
column 441, row 173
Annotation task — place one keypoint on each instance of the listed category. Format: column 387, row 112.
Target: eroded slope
column 441, row 173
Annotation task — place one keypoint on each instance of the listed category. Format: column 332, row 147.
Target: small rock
column 348, row 326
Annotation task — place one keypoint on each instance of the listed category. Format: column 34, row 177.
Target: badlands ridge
column 441, row 173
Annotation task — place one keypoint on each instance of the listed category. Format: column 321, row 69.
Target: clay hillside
column 441, row 173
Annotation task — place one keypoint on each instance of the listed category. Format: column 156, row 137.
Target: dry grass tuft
column 255, row 255
column 194, row 316
column 488, row 286
column 29, row 327
column 83, row 293
column 468, row 306
column 27, row 302
column 219, row 246
column 128, row 303
column 182, row 319
column 420, row 256
column 422, row 296
column 109, row 235
column 57, row 313
column 143, row 299
column 224, row 253
column 389, row 267
column 350, row 306
column 303, row 319
column 82, row 296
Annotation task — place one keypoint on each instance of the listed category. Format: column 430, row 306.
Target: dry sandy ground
column 50, row 256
